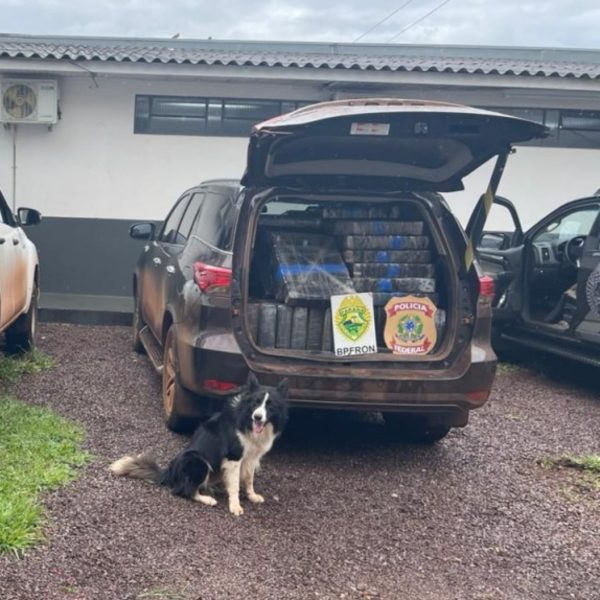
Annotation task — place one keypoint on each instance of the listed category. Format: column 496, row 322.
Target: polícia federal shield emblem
column 410, row 325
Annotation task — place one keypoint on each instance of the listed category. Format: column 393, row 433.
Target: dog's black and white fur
column 230, row 443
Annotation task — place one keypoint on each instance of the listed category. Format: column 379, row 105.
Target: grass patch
column 39, row 451
column 587, row 462
column 588, row 466
column 13, row 367
column 506, row 368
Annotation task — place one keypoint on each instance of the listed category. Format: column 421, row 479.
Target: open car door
column 500, row 254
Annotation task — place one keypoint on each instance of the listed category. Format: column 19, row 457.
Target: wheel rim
column 168, row 381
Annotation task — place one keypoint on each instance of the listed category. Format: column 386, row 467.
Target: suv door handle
column 156, row 261
column 15, row 241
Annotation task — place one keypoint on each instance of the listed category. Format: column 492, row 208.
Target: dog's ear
column 252, row 383
column 282, row 387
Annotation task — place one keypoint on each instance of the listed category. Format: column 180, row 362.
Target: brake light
column 487, row 287
column 207, row 276
column 218, row 385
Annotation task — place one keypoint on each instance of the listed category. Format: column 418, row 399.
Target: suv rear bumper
column 453, row 392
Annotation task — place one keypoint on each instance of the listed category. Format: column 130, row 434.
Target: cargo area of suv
column 308, row 249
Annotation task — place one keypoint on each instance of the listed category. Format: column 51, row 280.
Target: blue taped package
column 304, row 268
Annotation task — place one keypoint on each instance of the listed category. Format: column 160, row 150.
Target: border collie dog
column 230, row 445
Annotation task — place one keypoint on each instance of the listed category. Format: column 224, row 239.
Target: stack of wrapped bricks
column 360, row 249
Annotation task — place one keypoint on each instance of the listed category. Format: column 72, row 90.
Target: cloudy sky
column 560, row 23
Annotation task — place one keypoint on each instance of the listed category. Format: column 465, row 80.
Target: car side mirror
column 142, row 231
column 28, row 216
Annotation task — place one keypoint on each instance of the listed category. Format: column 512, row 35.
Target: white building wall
column 92, row 165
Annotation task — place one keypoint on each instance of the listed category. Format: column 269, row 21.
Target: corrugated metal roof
column 544, row 62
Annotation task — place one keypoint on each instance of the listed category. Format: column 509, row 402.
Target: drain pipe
column 14, row 169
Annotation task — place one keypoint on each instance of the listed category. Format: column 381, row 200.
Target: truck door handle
column 156, row 261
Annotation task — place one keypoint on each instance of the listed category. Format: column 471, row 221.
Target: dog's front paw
column 256, row 498
column 236, row 509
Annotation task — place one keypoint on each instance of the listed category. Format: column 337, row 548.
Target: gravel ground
column 350, row 513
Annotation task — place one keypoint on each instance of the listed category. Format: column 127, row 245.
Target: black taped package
column 392, row 270
column 406, row 285
column 386, row 242
column 387, row 256
column 303, row 268
column 362, row 212
column 378, row 227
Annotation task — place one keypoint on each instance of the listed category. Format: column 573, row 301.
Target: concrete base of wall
column 84, row 309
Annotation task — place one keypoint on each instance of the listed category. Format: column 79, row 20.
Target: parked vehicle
column 337, row 198
column 548, row 281
column 19, row 278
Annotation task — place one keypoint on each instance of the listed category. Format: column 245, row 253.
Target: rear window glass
column 216, row 221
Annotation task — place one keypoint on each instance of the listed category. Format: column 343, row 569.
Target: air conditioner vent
column 29, row 101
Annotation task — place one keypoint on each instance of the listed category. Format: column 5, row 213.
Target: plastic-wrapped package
column 305, row 268
column 392, row 270
column 285, row 317
column 405, row 285
column 327, row 334
column 267, row 324
column 299, row 328
column 315, row 328
column 387, row 256
column 386, row 242
column 378, row 228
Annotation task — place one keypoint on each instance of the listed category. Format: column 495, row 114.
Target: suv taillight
column 487, row 287
column 207, row 276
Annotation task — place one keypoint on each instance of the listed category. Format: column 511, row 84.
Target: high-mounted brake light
column 208, row 276
column 487, row 287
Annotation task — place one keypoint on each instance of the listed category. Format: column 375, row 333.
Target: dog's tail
column 141, row 466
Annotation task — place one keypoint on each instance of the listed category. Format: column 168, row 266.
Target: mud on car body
column 337, row 198
column 19, row 278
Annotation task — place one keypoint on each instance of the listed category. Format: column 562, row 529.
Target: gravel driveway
column 349, row 513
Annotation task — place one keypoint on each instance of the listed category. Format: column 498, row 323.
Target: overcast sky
column 560, row 23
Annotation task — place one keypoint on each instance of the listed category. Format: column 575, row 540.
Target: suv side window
column 168, row 233
column 216, row 221
column 189, row 217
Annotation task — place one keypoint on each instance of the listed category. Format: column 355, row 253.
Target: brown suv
column 339, row 200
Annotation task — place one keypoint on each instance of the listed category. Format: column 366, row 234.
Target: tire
column 415, row 429
column 174, row 395
column 137, row 325
column 22, row 334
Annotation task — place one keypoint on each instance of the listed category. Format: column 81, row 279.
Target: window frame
column 215, row 118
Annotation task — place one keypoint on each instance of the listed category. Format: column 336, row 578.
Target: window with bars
column 186, row 115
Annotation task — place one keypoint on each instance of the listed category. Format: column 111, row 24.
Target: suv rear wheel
column 174, row 395
column 21, row 335
column 416, row 429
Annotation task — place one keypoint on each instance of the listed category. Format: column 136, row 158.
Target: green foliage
column 13, row 367
column 39, row 451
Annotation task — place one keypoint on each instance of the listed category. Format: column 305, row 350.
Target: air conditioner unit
column 29, row 101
